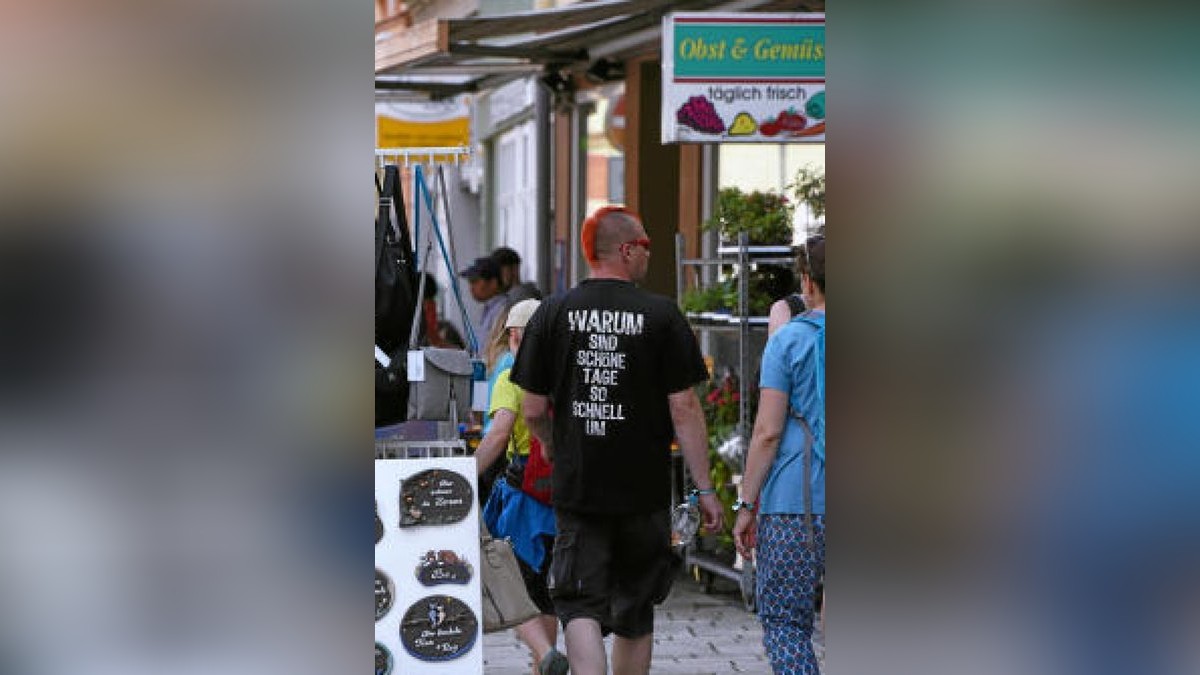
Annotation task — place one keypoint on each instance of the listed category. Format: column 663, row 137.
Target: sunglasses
column 643, row 242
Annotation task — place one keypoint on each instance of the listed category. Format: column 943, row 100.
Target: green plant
column 765, row 216
column 720, row 401
column 809, row 189
column 719, row 296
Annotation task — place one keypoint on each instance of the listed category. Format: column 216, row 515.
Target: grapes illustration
column 698, row 113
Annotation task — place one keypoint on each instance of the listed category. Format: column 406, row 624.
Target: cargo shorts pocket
column 670, row 566
column 561, row 580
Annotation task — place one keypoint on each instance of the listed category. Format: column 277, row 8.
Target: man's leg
column 585, row 647
column 631, row 656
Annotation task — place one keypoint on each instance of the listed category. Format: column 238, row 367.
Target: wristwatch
column 739, row 504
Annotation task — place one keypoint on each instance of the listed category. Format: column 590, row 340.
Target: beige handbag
column 506, row 603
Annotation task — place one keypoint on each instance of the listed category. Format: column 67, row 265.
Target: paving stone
column 694, row 634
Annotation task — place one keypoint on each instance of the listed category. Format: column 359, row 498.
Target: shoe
column 554, row 663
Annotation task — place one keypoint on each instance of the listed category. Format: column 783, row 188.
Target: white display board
column 399, row 553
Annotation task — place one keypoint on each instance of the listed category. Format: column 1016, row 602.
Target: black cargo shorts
column 613, row 569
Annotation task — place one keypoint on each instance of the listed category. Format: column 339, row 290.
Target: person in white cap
column 514, row 510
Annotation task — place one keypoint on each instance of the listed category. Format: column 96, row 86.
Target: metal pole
column 743, row 336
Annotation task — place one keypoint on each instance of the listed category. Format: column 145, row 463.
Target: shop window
column 770, row 168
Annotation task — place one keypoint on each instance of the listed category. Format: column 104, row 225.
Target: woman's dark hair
column 431, row 286
column 450, row 334
column 811, row 260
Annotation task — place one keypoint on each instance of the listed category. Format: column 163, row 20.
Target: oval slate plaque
column 438, row 628
column 383, row 660
column 434, row 497
column 443, row 567
column 384, row 592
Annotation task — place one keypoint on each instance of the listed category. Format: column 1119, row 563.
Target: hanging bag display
column 394, row 300
column 506, row 602
column 439, row 379
column 439, row 384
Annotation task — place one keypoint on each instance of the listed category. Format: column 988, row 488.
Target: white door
column 515, row 205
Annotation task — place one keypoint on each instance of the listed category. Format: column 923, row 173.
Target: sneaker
column 554, row 663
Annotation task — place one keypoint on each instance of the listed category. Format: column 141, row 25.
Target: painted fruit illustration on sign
column 791, row 123
column 698, row 113
column 815, row 108
column 743, row 125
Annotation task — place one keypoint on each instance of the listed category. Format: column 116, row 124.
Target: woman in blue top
column 784, row 481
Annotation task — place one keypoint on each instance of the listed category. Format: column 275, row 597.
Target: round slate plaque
column 443, row 567
column 383, row 660
column 438, row 628
column 434, row 497
column 384, row 593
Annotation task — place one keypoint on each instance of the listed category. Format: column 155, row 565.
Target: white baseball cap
column 518, row 314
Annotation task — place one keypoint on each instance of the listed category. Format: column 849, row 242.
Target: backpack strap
column 807, row 454
column 806, row 488
column 795, row 303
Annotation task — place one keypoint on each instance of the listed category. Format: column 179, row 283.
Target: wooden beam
column 396, row 46
column 519, row 51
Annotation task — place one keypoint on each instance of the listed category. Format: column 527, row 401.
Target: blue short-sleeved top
column 790, row 364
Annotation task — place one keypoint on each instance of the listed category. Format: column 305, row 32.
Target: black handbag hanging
column 395, row 299
column 395, row 267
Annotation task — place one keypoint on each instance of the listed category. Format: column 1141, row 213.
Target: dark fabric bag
column 395, row 298
column 391, row 393
column 395, row 266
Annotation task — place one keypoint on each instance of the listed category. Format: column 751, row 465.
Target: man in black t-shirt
column 617, row 365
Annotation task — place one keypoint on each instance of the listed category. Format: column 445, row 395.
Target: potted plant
column 809, row 189
column 765, row 216
column 720, row 400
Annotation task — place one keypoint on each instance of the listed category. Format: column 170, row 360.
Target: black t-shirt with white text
column 608, row 353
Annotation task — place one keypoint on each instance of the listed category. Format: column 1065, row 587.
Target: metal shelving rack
column 743, row 256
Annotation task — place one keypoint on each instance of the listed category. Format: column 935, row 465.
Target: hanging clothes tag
column 479, row 388
column 416, row 366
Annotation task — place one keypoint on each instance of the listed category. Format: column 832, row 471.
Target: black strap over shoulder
column 795, row 303
column 807, row 459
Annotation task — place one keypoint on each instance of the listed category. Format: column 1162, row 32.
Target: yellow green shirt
column 508, row 396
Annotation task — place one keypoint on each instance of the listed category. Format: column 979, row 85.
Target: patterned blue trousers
column 788, row 574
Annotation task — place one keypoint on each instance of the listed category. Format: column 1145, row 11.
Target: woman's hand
column 745, row 533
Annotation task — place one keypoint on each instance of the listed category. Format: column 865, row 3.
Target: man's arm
column 688, row 418
column 537, row 417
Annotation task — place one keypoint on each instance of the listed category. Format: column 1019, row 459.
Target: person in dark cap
column 509, row 262
column 484, row 278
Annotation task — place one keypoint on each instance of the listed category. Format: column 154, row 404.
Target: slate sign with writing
column 384, row 593
column 438, row 628
column 443, row 567
column 383, row 660
column 434, row 497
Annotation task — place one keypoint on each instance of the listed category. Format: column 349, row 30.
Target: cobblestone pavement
column 695, row 633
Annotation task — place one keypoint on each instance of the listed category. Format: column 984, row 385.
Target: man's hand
column 712, row 511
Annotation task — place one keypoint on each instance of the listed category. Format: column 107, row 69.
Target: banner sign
column 743, row 78
column 423, row 124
